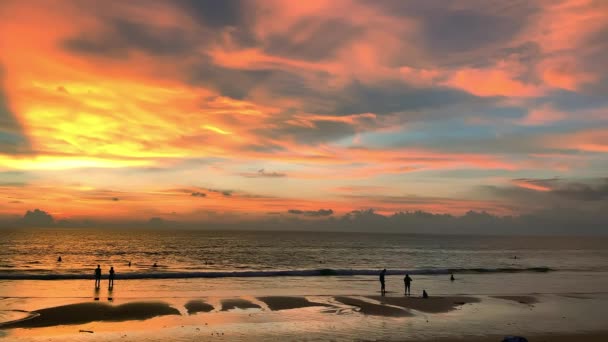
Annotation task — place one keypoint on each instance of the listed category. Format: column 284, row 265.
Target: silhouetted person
column 129, row 263
column 408, row 282
column 59, row 259
column 382, row 283
column 424, row 294
column 111, row 278
column 155, row 265
column 97, row 276
column 452, row 277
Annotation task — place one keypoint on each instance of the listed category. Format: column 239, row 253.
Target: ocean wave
column 287, row 273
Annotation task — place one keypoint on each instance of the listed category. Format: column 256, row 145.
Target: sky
column 233, row 111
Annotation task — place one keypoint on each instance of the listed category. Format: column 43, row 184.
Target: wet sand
column 147, row 311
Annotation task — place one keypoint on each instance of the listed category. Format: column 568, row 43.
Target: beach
column 235, row 310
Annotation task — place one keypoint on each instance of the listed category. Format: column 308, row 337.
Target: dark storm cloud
column 119, row 36
column 198, row 194
column 322, row 38
column 312, row 213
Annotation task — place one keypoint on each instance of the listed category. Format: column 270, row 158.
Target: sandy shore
column 448, row 318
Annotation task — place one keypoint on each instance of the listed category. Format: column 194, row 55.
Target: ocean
column 33, row 253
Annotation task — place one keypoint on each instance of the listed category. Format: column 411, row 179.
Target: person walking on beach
column 382, row 284
column 111, row 278
column 97, row 276
column 452, row 277
column 407, row 281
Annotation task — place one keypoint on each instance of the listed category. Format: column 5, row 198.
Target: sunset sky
column 219, row 110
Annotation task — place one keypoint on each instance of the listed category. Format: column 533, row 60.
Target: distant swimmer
column 97, row 276
column 382, row 282
column 452, row 277
column 59, row 259
column 155, row 265
column 424, row 294
column 408, row 282
column 111, row 278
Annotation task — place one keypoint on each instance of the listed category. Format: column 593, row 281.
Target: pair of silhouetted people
column 98, row 277
column 382, row 282
column 407, row 281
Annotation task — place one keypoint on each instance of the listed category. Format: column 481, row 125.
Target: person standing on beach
column 382, row 284
column 407, row 281
column 97, row 276
column 111, row 278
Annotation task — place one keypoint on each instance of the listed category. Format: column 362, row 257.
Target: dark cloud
column 263, row 174
column 312, row 213
column 587, row 197
column 392, row 96
column 596, row 190
column 320, row 132
column 198, row 194
column 216, row 13
column 226, row 193
column 115, row 199
column 121, row 35
column 37, row 218
column 12, row 137
column 446, row 31
column 238, row 83
column 458, row 32
column 585, row 190
column 156, row 222
column 319, row 38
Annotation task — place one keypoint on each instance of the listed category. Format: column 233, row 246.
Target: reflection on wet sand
column 520, row 299
column 277, row 303
column 195, row 306
column 368, row 308
column 238, row 303
column 430, row 305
